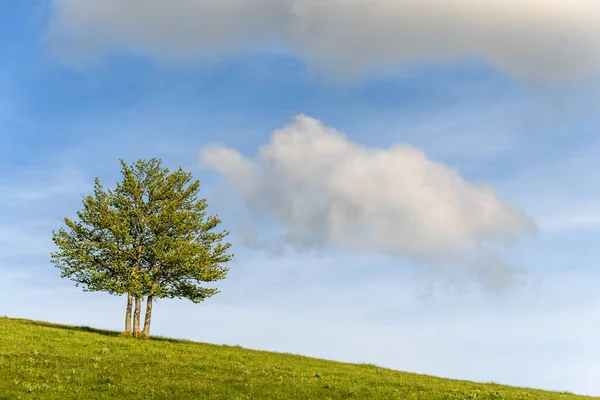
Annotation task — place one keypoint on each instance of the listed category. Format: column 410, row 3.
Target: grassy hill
column 46, row 361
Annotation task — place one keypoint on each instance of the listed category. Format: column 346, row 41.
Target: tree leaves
column 150, row 236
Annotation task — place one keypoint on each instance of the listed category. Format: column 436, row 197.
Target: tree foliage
column 150, row 237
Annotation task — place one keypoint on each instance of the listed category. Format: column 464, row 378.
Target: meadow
column 40, row 360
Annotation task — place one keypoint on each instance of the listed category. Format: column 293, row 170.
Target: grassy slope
column 45, row 361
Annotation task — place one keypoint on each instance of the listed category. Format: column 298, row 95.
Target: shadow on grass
column 98, row 331
column 69, row 327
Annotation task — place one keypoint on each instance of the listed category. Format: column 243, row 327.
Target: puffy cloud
column 328, row 192
column 535, row 39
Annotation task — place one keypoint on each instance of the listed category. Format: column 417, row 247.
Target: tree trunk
column 136, row 317
column 148, row 317
column 128, row 314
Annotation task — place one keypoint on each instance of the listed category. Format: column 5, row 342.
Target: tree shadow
column 89, row 329
column 98, row 331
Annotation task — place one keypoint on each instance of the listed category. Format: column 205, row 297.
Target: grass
column 47, row 361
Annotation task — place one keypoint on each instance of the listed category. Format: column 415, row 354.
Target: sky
column 407, row 183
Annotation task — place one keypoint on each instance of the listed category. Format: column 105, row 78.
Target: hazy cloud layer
column 534, row 39
column 326, row 191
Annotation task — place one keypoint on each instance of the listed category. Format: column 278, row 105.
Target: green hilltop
column 40, row 360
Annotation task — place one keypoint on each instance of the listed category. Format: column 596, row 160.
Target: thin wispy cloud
column 43, row 184
column 18, row 241
column 537, row 40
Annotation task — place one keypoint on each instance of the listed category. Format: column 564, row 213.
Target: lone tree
column 148, row 238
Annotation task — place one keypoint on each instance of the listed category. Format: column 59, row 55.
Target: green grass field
column 46, row 361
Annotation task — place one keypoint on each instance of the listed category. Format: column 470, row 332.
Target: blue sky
column 517, row 115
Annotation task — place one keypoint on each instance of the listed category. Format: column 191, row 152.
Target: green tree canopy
column 150, row 237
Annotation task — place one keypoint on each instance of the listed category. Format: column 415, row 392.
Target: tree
column 148, row 238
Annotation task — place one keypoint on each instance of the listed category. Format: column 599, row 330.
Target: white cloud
column 326, row 191
column 534, row 39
